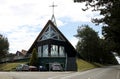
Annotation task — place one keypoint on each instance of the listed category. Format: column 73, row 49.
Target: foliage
column 34, row 58
column 92, row 48
column 4, row 46
column 88, row 44
column 107, row 56
column 110, row 10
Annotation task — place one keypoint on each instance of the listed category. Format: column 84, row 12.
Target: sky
column 22, row 20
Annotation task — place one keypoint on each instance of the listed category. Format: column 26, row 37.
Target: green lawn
column 83, row 65
column 9, row 66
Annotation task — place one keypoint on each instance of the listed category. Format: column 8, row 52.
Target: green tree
column 107, row 56
column 110, row 10
column 88, row 45
column 4, row 46
column 34, row 58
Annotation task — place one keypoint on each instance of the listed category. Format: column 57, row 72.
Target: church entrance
column 55, row 66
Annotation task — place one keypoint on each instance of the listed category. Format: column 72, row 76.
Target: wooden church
column 53, row 47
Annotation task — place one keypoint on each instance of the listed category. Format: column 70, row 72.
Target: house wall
column 46, row 61
column 68, row 62
column 71, row 64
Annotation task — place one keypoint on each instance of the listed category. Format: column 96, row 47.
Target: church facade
column 53, row 47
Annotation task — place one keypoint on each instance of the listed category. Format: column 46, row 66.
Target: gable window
column 51, row 33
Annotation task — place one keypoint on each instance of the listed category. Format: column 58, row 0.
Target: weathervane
column 53, row 17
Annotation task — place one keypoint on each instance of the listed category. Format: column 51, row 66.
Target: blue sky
column 22, row 20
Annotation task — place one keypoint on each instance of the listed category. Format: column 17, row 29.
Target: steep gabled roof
column 50, row 31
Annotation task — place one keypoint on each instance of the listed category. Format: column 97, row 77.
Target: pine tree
column 88, row 44
column 34, row 58
column 4, row 46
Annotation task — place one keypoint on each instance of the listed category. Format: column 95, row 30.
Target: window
column 39, row 51
column 61, row 51
column 45, row 50
column 51, row 33
column 54, row 50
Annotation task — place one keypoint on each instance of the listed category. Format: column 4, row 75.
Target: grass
column 81, row 64
column 9, row 66
column 84, row 65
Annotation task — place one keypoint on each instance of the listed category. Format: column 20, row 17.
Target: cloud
column 74, row 41
column 22, row 38
column 22, row 20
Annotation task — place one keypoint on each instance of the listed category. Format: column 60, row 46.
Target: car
column 22, row 67
column 33, row 68
column 42, row 68
column 56, row 67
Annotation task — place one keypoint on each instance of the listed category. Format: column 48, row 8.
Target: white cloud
column 74, row 41
column 22, row 38
column 22, row 20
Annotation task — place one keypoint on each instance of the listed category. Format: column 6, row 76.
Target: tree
column 92, row 48
column 107, row 56
column 34, row 58
column 88, row 44
column 4, row 46
column 110, row 9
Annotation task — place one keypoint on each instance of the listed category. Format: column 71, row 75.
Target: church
column 53, row 47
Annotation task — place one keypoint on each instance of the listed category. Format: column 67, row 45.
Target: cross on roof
column 53, row 17
column 53, row 7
